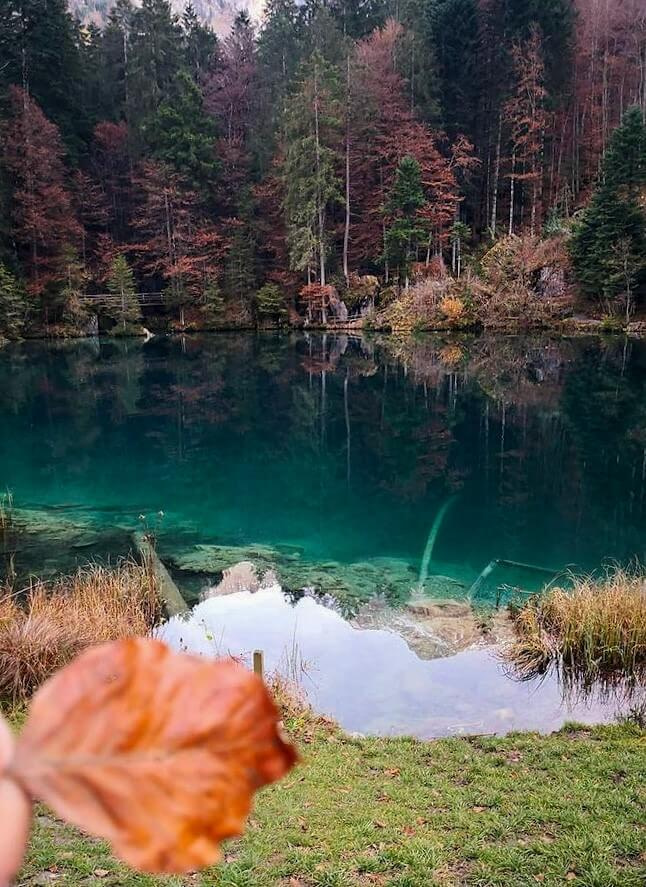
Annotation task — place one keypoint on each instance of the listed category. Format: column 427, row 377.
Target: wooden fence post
column 258, row 663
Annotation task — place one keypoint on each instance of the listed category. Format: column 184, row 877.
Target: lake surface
column 344, row 449
column 353, row 467
column 370, row 681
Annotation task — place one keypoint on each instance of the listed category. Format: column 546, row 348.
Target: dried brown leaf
column 157, row 752
column 15, row 812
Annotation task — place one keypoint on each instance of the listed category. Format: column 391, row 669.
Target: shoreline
column 568, row 328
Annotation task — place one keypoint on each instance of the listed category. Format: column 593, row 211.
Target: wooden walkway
column 111, row 300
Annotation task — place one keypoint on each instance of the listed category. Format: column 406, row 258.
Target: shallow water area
column 356, row 468
column 369, row 680
column 336, row 454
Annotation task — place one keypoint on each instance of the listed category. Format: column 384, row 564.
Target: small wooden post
column 258, row 663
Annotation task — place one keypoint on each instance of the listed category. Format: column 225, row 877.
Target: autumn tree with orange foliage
column 177, row 243
column 44, row 226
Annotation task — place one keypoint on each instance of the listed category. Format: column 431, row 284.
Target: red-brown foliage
column 43, row 223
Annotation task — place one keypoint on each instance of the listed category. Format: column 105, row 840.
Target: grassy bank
column 524, row 810
column 45, row 626
column 593, row 632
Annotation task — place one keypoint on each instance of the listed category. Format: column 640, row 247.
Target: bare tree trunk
column 346, row 231
column 319, row 196
column 512, row 183
column 496, row 178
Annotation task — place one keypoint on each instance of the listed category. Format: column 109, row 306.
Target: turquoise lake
column 355, row 474
column 341, row 449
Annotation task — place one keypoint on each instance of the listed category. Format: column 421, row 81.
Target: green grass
column 524, row 810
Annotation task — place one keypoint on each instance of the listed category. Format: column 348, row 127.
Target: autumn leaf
column 15, row 812
column 157, row 752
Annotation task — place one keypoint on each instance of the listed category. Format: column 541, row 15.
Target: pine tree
column 231, row 97
column 182, row 135
column 155, row 57
column 13, row 305
column 312, row 161
column 240, row 277
column 404, row 231
column 39, row 49
column 450, row 34
column 525, row 112
column 608, row 247
column 279, row 50
column 121, row 283
column 270, row 304
column 212, row 302
column 200, row 44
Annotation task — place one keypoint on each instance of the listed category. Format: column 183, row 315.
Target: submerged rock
column 436, row 627
column 350, row 583
column 241, row 577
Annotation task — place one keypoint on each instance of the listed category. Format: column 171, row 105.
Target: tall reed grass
column 594, row 631
column 44, row 627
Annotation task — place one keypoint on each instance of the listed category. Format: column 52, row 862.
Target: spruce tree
column 312, row 161
column 200, row 44
column 121, row 283
column 13, row 305
column 608, row 246
column 39, row 52
column 404, row 230
column 270, row 304
column 182, row 135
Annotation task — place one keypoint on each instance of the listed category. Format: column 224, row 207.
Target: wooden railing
column 113, row 300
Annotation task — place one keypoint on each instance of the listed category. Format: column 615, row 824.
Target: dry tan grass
column 595, row 629
column 49, row 624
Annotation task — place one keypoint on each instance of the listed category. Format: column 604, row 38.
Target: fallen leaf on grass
column 101, row 873
column 157, row 752
column 571, row 876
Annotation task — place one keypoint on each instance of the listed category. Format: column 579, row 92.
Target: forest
column 429, row 163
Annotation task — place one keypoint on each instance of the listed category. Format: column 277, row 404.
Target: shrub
column 453, row 309
column 591, row 631
column 56, row 621
column 523, row 281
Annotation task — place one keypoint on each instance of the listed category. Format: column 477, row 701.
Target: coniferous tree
column 404, row 230
column 450, row 32
column 608, row 247
column 200, row 44
column 231, row 97
column 270, row 304
column 13, row 305
column 310, row 169
column 279, row 50
column 39, row 52
column 155, row 56
column 121, row 283
column 182, row 135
